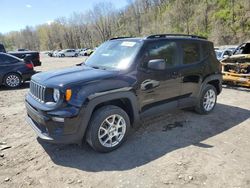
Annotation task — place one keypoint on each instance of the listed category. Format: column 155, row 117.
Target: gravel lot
column 176, row 149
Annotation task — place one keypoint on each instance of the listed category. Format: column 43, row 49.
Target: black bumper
column 49, row 130
column 37, row 63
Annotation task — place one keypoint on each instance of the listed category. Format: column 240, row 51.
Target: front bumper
column 49, row 130
column 238, row 79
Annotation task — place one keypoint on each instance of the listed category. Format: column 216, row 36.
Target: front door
column 159, row 86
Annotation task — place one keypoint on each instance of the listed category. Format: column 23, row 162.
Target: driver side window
column 166, row 50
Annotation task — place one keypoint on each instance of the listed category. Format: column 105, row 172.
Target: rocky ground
column 175, row 149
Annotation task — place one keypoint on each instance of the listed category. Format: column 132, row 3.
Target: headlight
column 56, row 95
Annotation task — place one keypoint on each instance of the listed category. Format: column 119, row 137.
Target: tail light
column 29, row 65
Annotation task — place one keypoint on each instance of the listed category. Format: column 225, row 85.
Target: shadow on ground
column 235, row 87
column 25, row 85
column 151, row 141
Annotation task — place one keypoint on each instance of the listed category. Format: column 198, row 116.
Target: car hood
column 239, row 58
column 73, row 75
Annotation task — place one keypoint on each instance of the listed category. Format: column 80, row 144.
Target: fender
column 98, row 98
column 211, row 78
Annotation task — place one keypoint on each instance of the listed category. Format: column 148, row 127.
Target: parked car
column 84, row 52
column 68, row 53
column 236, row 68
column 222, row 54
column 34, row 56
column 14, row 71
column 125, row 80
column 49, row 53
column 55, row 53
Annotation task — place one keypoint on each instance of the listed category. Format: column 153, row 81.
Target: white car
column 84, row 51
column 68, row 53
column 55, row 53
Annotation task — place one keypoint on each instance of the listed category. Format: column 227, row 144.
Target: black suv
column 124, row 80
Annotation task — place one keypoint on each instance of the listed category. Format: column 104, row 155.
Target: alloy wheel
column 209, row 100
column 112, row 131
column 12, row 80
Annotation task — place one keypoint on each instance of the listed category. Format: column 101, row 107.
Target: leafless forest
column 222, row 21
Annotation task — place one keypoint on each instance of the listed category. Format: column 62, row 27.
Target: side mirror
column 157, row 64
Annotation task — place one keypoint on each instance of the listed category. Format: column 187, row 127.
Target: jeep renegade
column 124, row 80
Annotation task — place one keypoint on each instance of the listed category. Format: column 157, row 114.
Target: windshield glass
column 114, row 54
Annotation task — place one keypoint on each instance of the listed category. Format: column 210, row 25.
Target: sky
column 16, row 14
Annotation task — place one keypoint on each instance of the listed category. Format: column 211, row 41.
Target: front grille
column 37, row 91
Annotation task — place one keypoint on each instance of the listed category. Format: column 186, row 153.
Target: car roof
column 164, row 36
column 2, row 53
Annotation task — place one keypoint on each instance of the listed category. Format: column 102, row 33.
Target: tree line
column 221, row 21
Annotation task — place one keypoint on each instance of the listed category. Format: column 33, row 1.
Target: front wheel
column 108, row 128
column 207, row 100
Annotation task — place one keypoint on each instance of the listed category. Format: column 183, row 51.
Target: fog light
column 58, row 119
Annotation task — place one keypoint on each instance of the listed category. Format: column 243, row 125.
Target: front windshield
column 114, row 54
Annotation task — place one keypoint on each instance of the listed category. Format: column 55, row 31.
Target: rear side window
column 205, row 48
column 166, row 50
column 191, row 52
column 7, row 59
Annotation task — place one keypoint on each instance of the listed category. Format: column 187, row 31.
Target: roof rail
column 119, row 38
column 173, row 35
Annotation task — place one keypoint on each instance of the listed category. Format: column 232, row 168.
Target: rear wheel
column 76, row 55
column 207, row 100
column 12, row 80
column 108, row 128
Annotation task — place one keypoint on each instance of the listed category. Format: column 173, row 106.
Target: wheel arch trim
column 88, row 108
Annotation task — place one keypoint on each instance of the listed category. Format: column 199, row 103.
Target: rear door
column 68, row 53
column 193, row 66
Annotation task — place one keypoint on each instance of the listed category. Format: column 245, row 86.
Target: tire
column 76, row 55
column 12, row 80
column 207, row 100
column 62, row 55
column 103, row 130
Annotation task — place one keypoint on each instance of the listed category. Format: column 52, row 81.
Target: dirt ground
column 177, row 149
